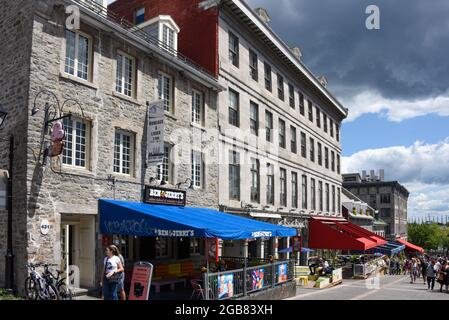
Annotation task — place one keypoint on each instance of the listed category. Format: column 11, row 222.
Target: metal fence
column 136, row 31
column 238, row 283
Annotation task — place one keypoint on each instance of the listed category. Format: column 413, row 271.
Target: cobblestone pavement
column 376, row 288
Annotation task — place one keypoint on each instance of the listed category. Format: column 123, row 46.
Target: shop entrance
column 78, row 249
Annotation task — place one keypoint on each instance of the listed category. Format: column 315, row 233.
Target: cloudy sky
column 395, row 82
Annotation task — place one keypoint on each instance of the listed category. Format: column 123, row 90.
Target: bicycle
column 39, row 287
column 63, row 290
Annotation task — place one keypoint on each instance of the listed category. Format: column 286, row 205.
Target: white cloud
column 370, row 101
column 422, row 168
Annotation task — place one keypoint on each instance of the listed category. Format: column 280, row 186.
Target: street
column 380, row 288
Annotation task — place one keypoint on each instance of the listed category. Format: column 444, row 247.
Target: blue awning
column 290, row 249
column 151, row 220
column 390, row 248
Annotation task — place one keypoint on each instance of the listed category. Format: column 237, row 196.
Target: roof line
column 273, row 37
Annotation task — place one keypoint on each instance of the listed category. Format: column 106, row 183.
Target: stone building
column 279, row 124
column 388, row 198
column 111, row 73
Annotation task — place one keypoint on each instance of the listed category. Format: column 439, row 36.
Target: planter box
column 322, row 282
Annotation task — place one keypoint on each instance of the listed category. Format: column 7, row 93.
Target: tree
column 428, row 236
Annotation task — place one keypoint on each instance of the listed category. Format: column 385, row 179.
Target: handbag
column 115, row 278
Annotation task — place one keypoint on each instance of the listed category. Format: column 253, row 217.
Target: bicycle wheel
column 52, row 292
column 64, row 292
column 31, row 289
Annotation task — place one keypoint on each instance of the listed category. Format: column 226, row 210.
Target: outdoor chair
column 198, row 291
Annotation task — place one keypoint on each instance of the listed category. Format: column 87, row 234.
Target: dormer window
column 164, row 30
column 139, row 16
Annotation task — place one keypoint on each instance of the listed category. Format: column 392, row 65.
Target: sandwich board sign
column 155, row 133
column 141, row 281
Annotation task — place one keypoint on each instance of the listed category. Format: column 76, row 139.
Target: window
column 291, row 95
column 333, row 199
column 331, row 127
column 337, row 132
column 234, row 108
column 283, row 180
column 318, row 118
column 338, row 163
column 197, row 169
column 332, row 161
column 293, row 142
column 312, row 150
column 313, row 194
column 253, row 65
column 269, row 126
column 325, row 122
column 320, row 154
column 123, row 153
column 320, row 196
column 270, row 184
column 304, row 192
column 165, row 91
column 233, row 49
column 268, row 81
column 303, row 145
column 327, row 197
column 326, row 157
column 164, row 170
column 281, row 133
column 162, row 247
column 76, row 143
column 77, row 55
column 255, row 180
column 310, row 110
column 139, row 16
column 294, row 190
column 301, row 103
column 254, row 118
column 373, row 200
column 385, row 198
column 124, row 80
column 234, row 175
column 197, row 107
column 385, row 212
column 280, row 87
column 194, row 246
column 338, row 199
column 168, row 38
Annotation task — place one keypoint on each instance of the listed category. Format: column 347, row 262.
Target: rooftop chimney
column 323, row 81
column 297, row 52
column 263, row 14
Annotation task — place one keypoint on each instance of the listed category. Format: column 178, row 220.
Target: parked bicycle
column 63, row 290
column 39, row 287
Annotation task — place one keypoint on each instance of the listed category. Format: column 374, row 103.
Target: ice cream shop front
column 184, row 245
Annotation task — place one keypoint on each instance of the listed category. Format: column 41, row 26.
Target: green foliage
column 5, row 296
column 429, row 236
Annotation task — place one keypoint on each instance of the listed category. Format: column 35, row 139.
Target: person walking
column 112, row 267
column 431, row 274
column 413, row 270
column 424, row 265
column 121, row 283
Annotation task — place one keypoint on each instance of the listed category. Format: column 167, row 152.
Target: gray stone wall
column 53, row 191
column 15, row 36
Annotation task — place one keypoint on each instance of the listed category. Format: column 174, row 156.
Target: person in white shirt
column 112, row 267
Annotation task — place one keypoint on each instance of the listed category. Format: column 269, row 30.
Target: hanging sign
column 155, row 133
column 156, row 195
column 141, row 281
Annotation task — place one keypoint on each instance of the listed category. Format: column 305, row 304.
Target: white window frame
column 79, row 33
column 122, row 134
column 165, row 37
column 168, row 100
column 166, row 162
column 123, row 56
column 197, row 107
column 87, row 144
column 197, row 175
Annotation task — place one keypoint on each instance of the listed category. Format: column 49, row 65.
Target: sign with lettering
column 157, row 195
column 155, row 133
column 141, row 281
column 45, row 227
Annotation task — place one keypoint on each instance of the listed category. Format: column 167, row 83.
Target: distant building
column 388, row 198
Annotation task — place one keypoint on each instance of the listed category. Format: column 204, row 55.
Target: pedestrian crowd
column 430, row 269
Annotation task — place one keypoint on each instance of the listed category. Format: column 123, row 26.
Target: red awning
column 340, row 234
column 410, row 246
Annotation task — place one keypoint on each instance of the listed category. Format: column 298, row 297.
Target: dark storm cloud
column 408, row 58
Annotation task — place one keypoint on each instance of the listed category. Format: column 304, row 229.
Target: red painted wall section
column 198, row 38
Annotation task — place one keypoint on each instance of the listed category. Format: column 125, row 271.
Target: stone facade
column 56, row 192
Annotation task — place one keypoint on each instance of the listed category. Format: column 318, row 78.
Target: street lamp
column 9, row 257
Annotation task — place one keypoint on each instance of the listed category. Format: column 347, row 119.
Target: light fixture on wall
column 191, row 184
